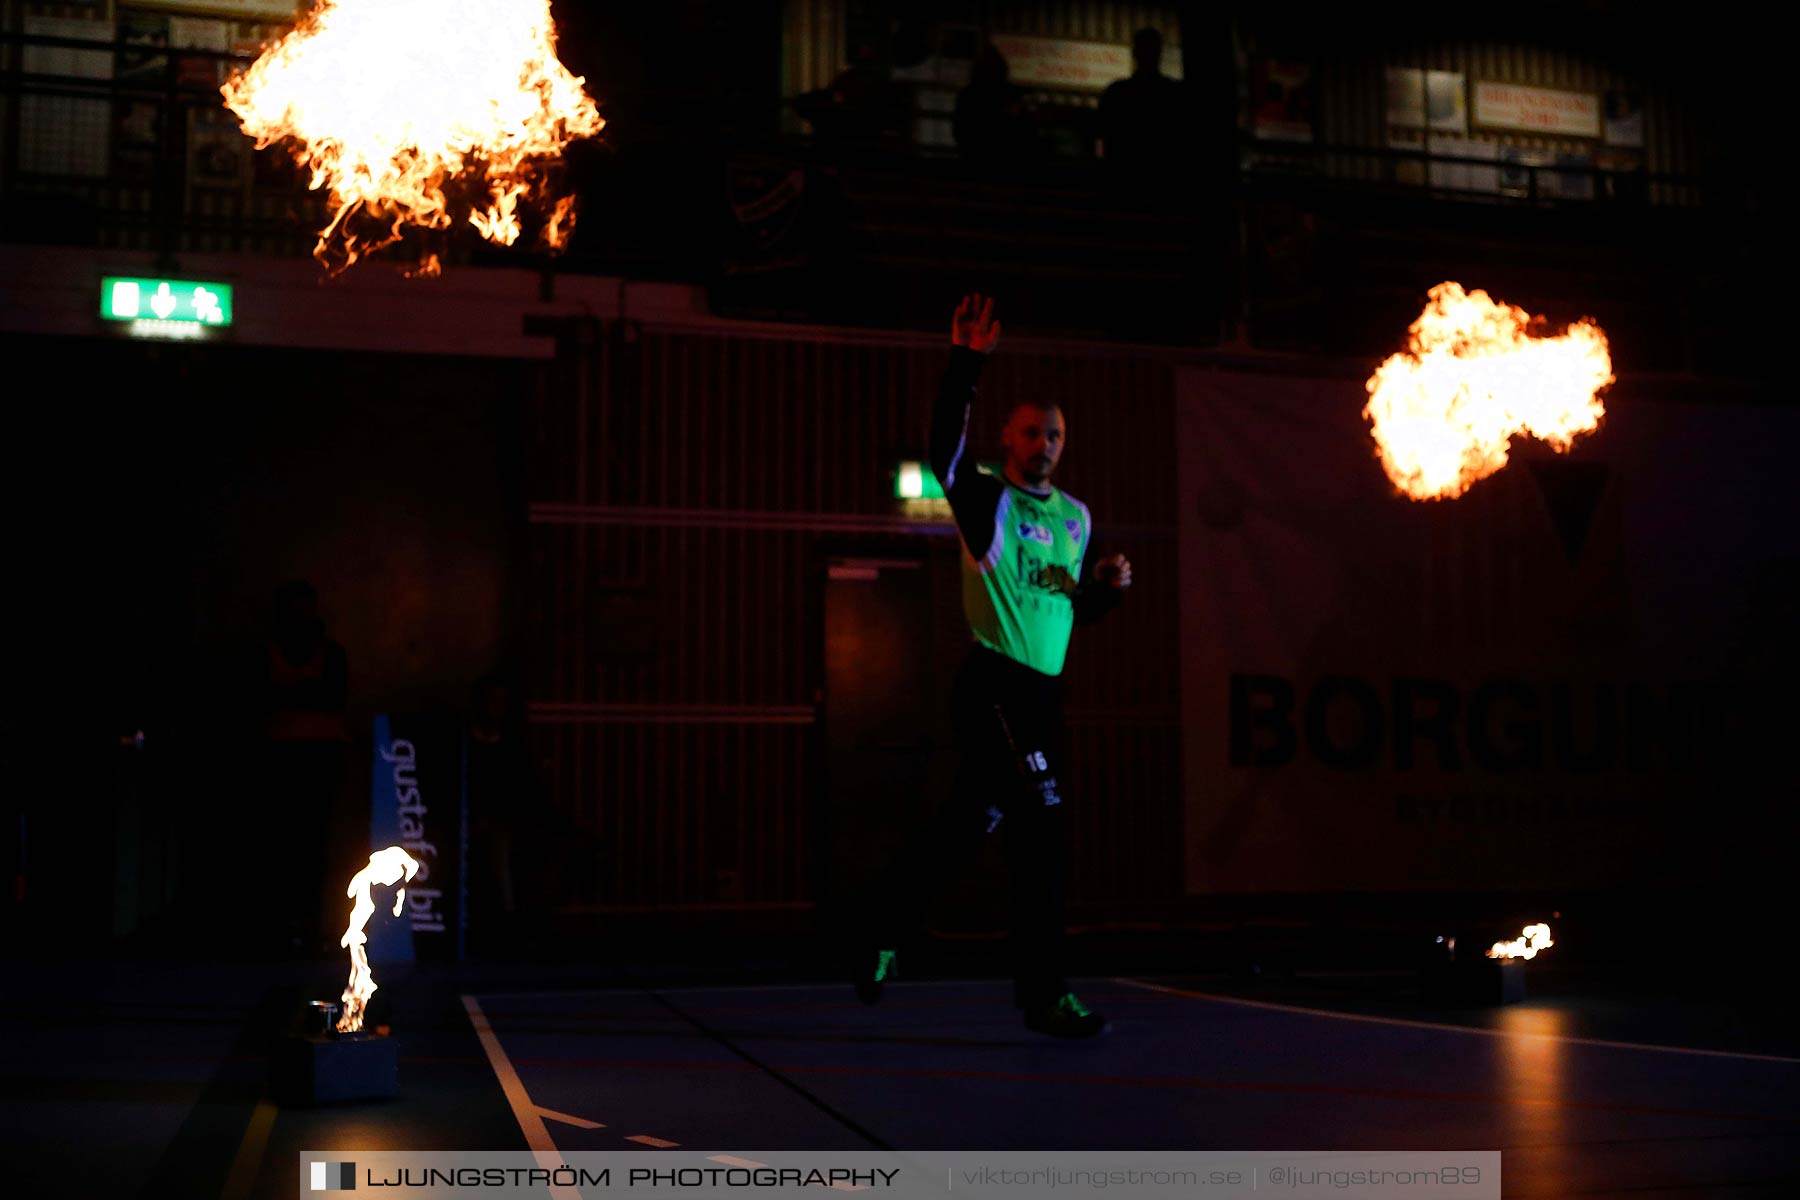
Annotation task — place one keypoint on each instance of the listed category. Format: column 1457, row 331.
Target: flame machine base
column 1475, row 981
column 325, row 1068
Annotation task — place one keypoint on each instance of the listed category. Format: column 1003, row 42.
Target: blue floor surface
column 949, row 1066
column 151, row 1080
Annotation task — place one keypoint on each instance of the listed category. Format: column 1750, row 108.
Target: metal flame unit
column 323, row 1066
column 1470, row 978
column 1476, row 981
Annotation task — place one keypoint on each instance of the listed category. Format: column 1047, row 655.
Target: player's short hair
column 1032, row 402
column 295, row 591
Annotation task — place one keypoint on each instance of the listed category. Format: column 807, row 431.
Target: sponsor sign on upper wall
column 1538, row 110
column 1070, row 65
column 243, row 10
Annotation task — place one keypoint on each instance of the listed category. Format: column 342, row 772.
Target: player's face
column 1033, row 438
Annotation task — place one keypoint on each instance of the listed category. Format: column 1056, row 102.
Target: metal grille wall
column 1353, row 102
column 112, row 132
column 686, row 489
column 1081, row 20
column 812, row 44
column 815, row 32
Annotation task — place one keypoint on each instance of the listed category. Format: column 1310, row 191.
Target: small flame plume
column 387, row 101
column 385, row 866
column 1445, row 410
column 1536, row 937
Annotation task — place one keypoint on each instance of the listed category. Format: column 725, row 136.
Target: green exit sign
column 914, row 481
column 168, row 301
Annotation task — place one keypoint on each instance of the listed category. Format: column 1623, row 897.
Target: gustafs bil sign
column 417, row 802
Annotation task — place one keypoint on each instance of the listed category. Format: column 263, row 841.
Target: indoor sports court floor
column 149, row 1078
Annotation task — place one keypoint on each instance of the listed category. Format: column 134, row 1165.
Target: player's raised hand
column 974, row 325
column 1115, row 570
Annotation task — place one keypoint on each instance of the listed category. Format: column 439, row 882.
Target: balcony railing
column 1274, row 243
column 130, row 146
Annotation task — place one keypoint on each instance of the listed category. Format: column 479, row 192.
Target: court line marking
column 1174, row 1081
column 1448, row 1028
column 732, row 987
column 750, row 1064
column 1188, row 992
column 248, row 1160
column 566, row 1119
column 732, row 1047
column 530, row 1123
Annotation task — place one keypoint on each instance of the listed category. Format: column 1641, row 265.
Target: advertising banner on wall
column 1625, row 119
column 417, row 801
column 1406, row 97
column 1446, row 101
column 1071, row 65
column 1464, row 176
column 1281, row 102
column 1577, row 674
column 1417, row 98
column 1537, row 110
column 260, row 10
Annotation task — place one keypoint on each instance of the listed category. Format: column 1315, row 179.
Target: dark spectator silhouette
column 523, row 854
column 990, row 112
column 501, row 786
column 302, row 683
column 861, row 105
column 1141, row 117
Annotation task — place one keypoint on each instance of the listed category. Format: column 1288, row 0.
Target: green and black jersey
column 1023, row 549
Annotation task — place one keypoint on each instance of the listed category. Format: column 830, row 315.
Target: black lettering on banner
column 1438, row 725
column 1364, row 747
column 1602, row 749
column 1505, row 725
column 1262, row 721
column 1524, row 745
column 1659, row 731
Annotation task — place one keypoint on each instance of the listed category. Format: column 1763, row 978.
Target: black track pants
column 1010, row 737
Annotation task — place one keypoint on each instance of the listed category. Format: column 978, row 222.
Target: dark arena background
column 613, row 583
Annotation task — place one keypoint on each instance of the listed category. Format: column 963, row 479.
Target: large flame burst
column 385, row 866
column 387, row 101
column 1535, row 938
column 1445, row 410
